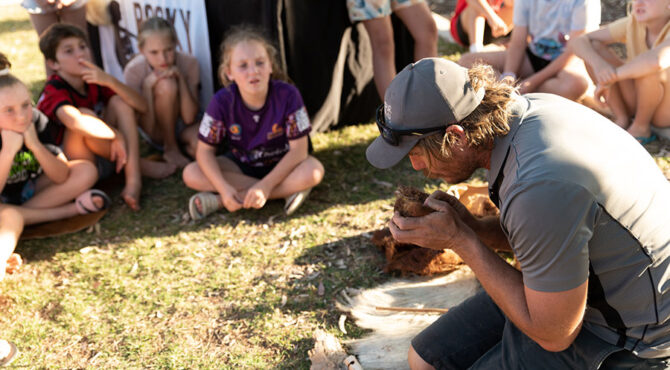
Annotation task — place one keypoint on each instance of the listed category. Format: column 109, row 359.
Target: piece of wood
column 412, row 309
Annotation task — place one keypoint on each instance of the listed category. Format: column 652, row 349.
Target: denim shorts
column 363, row 10
column 477, row 335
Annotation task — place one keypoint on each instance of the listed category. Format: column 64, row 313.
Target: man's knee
column 416, row 362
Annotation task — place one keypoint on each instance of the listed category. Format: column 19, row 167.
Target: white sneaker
column 295, row 200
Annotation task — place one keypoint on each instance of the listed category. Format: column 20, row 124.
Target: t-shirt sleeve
column 107, row 94
column 549, row 226
column 297, row 121
column 521, row 13
column 51, row 99
column 585, row 15
column 618, row 29
column 212, row 128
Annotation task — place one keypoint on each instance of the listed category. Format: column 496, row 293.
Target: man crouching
column 583, row 207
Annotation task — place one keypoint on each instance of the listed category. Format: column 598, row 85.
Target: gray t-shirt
column 581, row 199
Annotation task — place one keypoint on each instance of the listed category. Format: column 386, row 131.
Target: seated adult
column 583, row 207
column 536, row 54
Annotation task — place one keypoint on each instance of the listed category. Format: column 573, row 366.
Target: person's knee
column 416, row 362
column 10, row 218
column 191, row 175
column 166, row 88
column 120, row 107
column 427, row 34
column 83, row 172
column 316, row 171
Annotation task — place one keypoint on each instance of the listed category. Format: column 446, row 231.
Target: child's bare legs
column 419, row 21
column 380, row 32
column 651, row 97
column 189, row 139
column 571, row 82
column 305, row 175
column 166, row 106
column 11, row 225
column 121, row 115
column 473, row 24
column 82, row 176
column 495, row 59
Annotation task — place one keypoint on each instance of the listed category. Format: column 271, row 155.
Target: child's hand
column 605, row 74
column 601, row 94
column 256, row 196
column 30, row 137
column 230, row 201
column 498, row 27
column 93, row 74
column 117, row 151
column 11, row 141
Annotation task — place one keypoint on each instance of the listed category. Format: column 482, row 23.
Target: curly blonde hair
column 486, row 122
column 245, row 33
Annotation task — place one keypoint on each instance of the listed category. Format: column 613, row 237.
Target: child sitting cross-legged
column 265, row 125
column 635, row 89
column 93, row 112
column 37, row 183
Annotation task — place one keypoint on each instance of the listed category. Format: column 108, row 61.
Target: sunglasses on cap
column 392, row 135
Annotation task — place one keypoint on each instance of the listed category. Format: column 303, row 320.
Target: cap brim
column 383, row 155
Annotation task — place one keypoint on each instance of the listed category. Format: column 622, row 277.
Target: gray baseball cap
column 423, row 99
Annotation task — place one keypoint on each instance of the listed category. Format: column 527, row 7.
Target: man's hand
column 12, row 141
column 443, row 229
column 118, row 152
column 94, row 75
column 256, row 196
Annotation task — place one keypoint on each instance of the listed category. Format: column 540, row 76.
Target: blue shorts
column 19, row 197
column 477, row 335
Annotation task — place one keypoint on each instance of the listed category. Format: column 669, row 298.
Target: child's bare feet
column 156, row 169
column 131, row 195
column 639, row 131
column 13, row 263
column 175, row 157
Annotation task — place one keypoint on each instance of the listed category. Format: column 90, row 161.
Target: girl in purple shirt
column 262, row 123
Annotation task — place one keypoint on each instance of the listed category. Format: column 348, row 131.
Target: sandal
column 85, row 204
column 11, row 356
column 295, row 200
column 209, row 203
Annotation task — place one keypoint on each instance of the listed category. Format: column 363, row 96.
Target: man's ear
column 456, row 130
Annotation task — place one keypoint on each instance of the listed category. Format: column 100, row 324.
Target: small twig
column 412, row 309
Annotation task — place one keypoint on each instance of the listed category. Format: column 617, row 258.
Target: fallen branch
column 412, row 309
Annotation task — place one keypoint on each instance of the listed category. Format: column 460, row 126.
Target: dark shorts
column 256, row 172
column 477, row 335
column 535, row 61
column 465, row 38
column 19, row 193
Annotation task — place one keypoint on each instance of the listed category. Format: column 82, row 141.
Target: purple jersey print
column 257, row 138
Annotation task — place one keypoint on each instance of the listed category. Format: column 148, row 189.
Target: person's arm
column 91, row 126
column 54, row 167
column 11, row 143
column 551, row 319
column 516, row 51
column 188, row 92
column 531, row 83
column 205, row 155
column 258, row 194
column 498, row 26
column 487, row 228
column 652, row 61
column 94, row 75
